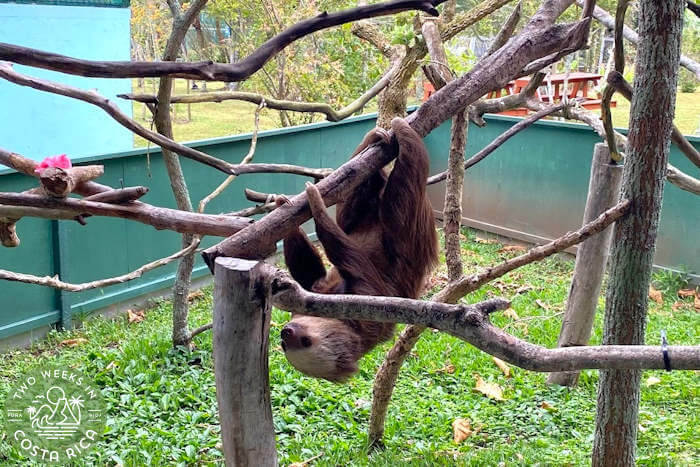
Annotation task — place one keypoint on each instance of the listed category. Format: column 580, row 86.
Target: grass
column 162, row 404
column 210, row 120
column 687, row 117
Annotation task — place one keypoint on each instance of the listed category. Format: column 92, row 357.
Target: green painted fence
column 533, row 187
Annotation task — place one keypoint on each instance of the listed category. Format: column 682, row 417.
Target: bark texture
column 591, row 258
column 241, row 331
column 651, row 121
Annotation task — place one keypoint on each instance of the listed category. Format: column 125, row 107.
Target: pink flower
column 61, row 161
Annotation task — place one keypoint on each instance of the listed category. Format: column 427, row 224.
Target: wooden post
column 241, row 331
column 592, row 256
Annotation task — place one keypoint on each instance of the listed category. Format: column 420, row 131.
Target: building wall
column 37, row 124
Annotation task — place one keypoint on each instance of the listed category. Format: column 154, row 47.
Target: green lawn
column 687, row 112
column 162, row 404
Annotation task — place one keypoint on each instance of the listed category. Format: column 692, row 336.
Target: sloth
column 382, row 242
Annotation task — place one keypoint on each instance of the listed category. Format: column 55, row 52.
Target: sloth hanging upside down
column 383, row 242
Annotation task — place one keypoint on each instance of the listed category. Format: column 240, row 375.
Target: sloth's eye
column 305, row 341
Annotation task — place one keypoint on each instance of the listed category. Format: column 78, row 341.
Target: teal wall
column 533, row 187
column 60, row 124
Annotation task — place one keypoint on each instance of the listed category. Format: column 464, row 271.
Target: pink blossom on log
column 61, row 161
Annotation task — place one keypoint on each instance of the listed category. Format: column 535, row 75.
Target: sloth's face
column 321, row 347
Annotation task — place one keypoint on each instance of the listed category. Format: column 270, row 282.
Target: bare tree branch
column 631, row 35
column 246, row 159
column 209, row 71
column 502, row 138
column 331, row 114
column 471, row 323
column 621, row 85
column 468, row 284
column 507, row 29
column 157, row 217
column 56, row 283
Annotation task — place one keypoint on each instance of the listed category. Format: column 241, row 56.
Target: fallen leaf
column 656, row 295
column 135, row 316
column 490, row 390
column 685, row 293
column 486, row 241
column 523, row 289
column 461, row 430
column 196, row 295
column 511, row 249
column 541, row 304
column 677, row 305
column 510, row 313
column 502, row 365
column 306, row 462
column 362, row 403
column 449, row 368
column 696, row 302
column 519, row 456
column 652, row 380
column 74, row 342
column 548, row 407
column 500, row 286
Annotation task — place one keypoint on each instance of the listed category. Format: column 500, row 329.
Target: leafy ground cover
column 210, row 120
column 162, row 403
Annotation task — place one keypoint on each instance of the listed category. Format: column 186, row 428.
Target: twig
column 631, row 35
column 59, row 284
column 248, row 157
column 468, row 284
column 331, row 114
column 200, row 330
column 209, row 71
column 507, row 29
column 502, row 138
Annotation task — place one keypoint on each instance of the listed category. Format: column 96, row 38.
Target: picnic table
column 578, row 86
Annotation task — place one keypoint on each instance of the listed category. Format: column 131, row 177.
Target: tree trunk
column 241, row 330
column 651, row 120
column 592, row 256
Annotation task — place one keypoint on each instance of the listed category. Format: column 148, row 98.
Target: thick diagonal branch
column 536, row 40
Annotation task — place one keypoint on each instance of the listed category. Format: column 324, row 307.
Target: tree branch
column 113, row 110
column 209, row 71
column 331, row 114
column 56, row 283
column 502, row 138
column 458, row 289
column 537, row 39
column 157, row 217
column 471, row 323
column 507, row 29
column 631, row 35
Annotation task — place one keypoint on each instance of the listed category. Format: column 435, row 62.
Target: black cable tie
column 664, row 350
